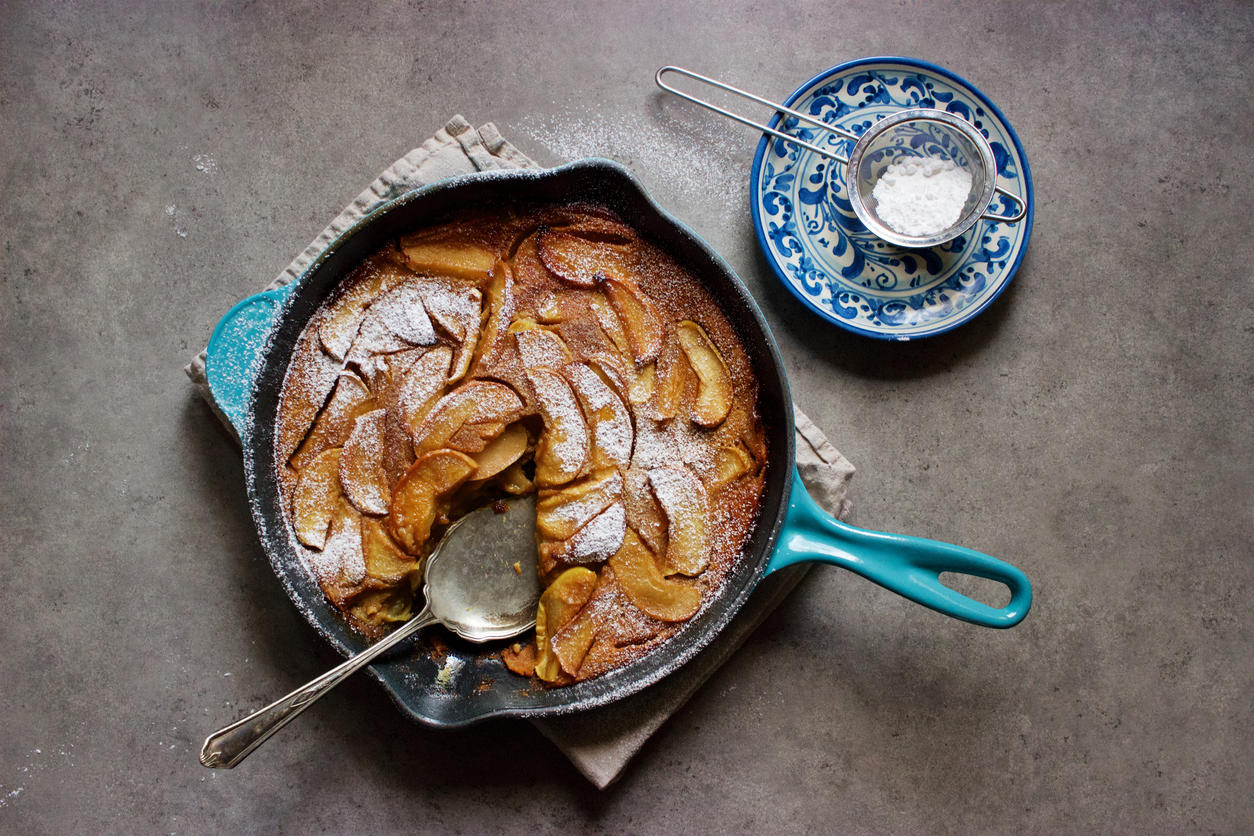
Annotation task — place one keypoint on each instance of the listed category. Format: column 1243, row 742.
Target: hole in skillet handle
column 985, row 590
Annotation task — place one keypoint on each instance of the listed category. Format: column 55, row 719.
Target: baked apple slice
column 562, row 450
column 639, row 316
column 612, row 432
column 714, row 395
column 309, row 381
column 362, row 475
column 538, row 346
column 384, row 560
column 468, row 417
column 668, row 389
column 559, row 604
column 563, row 511
column 429, row 479
column 610, row 324
column 496, row 343
column 456, row 309
column 349, row 399
column 344, row 314
column 640, row 390
column 571, row 643
column 644, row 515
column 577, row 260
column 447, row 258
column 599, row 539
column 637, row 572
column 417, row 386
column 730, row 463
column 317, row 496
column 683, row 498
column 500, row 453
column 340, row 564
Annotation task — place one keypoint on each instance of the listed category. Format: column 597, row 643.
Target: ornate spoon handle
column 228, row 746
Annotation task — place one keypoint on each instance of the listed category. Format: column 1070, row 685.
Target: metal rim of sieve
column 862, row 206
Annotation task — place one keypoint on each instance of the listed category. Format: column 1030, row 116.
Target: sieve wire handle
column 745, row 121
column 1008, row 219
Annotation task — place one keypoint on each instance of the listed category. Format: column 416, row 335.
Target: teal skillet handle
column 909, row 566
column 234, row 354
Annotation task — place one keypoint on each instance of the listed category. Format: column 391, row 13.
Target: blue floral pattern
column 828, row 258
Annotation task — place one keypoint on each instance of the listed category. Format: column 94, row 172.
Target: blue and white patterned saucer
column 830, row 261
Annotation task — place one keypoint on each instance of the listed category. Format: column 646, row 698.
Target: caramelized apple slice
column 384, row 561
column 668, row 390
column 730, row 463
column 444, row 470
column 640, row 391
column 331, row 428
column 404, row 312
column 591, row 223
column 442, row 422
column 341, row 565
column 558, row 605
column 456, row 309
column 395, row 321
column 538, row 346
column 640, row 318
column 612, row 433
column 683, row 498
column 610, row 324
column 562, row 512
column 577, row 260
column 316, row 498
column 563, row 447
column 344, row 314
column 431, row 477
column 599, row 539
column 310, row 379
column 637, row 572
column 468, row 417
column 447, row 258
column 382, row 606
column 495, row 343
column 500, row 453
column 714, row 396
column 644, row 515
column 418, row 385
column 572, row 642
column 412, row 513
column 361, row 465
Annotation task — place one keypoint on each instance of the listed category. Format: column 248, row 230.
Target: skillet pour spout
column 248, row 358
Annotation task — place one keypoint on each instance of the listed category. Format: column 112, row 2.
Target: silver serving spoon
column 480, row 582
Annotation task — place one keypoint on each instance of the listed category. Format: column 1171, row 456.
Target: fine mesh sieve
column 917, row 132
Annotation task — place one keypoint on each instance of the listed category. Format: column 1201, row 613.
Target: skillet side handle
column 234, row 353
column 909, row 566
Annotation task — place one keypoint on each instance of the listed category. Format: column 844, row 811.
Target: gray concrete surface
column 1094, row 426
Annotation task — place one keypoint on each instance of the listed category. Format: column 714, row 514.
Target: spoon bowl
column 481, row 582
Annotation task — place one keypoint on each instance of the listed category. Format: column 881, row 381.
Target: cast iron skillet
column 460, row 684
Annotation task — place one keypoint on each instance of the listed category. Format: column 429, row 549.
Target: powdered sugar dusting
column 404, row 313
column 611, row 423
column 565, row 438
column 562, row 515
column 681, row 153
column 601, row 537
column 342, row 557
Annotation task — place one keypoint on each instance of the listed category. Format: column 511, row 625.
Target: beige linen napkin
column 601, row 741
